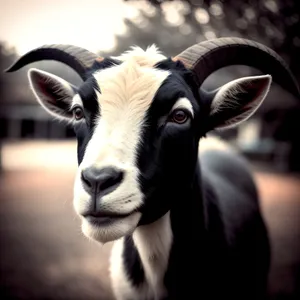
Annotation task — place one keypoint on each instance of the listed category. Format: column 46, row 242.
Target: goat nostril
column 114, row 179
column 85, row 180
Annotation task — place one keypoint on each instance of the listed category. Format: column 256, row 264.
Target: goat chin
column 113, row 231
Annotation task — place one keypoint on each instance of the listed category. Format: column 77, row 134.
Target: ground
column 45, row 256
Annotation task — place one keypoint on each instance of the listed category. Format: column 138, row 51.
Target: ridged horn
column 79, row 59
column 209, row 56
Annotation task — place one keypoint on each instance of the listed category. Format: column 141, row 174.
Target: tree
column 177, row 24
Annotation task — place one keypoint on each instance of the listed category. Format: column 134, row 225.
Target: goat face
column 110, row 147
column 138, row 120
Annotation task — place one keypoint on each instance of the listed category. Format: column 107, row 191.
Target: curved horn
column 209, row 56
column 77, row 58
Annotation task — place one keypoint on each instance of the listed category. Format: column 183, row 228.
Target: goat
column 141, row 181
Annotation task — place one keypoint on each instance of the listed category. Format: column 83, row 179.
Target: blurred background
column 43, row 253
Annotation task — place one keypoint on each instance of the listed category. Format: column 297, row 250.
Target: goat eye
column 179, row 116
column 78, row 113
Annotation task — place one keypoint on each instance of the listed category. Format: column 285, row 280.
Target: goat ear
column 237, row 100
column 52, row 92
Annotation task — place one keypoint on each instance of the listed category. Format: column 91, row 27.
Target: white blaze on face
column 127, row 91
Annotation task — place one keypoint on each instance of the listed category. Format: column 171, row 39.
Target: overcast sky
column 92, row 24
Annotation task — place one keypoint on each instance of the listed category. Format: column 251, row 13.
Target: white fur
column 127, row 91
column 185, row 104
column 121, row 286
column 76, row 101
column 153, row 242
column 146, row 58
column 226, row 97
column 214, row 143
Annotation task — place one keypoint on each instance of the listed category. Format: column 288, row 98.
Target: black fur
column 100, row 65
column 220, row 245
column 132, row 262
column 84, row 128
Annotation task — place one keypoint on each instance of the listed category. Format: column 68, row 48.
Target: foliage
column 177, row 24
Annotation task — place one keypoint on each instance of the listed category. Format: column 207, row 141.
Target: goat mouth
column 104, row 218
